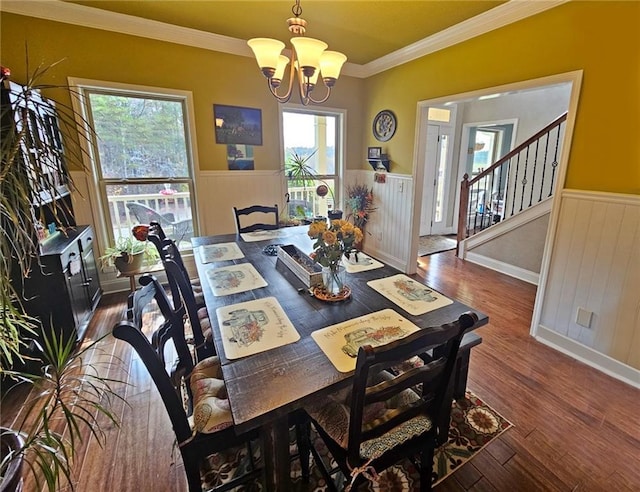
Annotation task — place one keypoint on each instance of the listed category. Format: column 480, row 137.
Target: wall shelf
column 380, row 163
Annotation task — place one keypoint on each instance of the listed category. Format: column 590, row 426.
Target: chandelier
column 309, row 59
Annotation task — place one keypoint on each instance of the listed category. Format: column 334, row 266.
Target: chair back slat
column 256, row 226
column 184, row 298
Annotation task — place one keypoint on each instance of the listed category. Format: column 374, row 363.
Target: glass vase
column 333, row 278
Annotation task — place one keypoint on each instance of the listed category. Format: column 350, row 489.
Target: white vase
column 333, row 279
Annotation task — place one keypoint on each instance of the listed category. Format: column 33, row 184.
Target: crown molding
column 69, row 13
column 500, row 16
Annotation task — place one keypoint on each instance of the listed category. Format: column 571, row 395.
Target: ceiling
column 363, row 30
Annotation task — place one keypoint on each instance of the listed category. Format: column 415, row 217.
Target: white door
column 437, row 179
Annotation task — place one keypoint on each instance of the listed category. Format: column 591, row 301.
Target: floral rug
column 429, row 245
column 474, row 424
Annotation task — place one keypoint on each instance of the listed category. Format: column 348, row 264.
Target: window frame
column 340, row 151
column 96, row 184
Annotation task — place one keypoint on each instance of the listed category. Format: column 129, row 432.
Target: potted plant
column 128, row 254
column 70, row 396
column 299, row 172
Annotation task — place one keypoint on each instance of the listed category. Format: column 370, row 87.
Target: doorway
column 439, row 172
column 528, row 103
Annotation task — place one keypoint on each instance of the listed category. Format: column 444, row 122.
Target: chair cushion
column 211, row 411
column 205, row 324
column 199, row 297
column 333, row 414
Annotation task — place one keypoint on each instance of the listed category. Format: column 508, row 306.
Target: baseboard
column 589, row 356
column 397, row 263
column 502, row 267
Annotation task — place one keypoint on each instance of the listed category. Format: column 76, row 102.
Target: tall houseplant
column 70, row 393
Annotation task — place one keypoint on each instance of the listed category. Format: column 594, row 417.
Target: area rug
column 474, row 424
column 429, row 245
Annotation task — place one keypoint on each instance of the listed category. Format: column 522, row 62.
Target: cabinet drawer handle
column 87, row 283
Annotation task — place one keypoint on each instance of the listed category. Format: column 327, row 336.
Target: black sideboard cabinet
column 63, row 288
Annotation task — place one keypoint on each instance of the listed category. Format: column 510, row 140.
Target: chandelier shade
column 309, row 60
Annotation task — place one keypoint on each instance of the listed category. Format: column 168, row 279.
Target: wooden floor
column 575, row 429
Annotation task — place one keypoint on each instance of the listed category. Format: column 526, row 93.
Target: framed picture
column 237, row 125
column 240, row 157
column 375, row 152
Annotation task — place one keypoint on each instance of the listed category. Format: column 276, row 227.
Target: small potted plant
column 128, row 255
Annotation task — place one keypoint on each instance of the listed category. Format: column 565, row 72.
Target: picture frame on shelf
column 374, row 153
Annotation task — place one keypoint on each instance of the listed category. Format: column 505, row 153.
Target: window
column 313, row 137
column 142, row 162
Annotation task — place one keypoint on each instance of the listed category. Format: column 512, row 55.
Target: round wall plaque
column 384, row 125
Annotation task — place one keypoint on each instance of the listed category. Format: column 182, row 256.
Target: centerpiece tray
column 303, row 267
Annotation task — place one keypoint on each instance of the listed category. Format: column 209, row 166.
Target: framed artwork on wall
column 237, row 125
column 374, row 153
column 240, row 157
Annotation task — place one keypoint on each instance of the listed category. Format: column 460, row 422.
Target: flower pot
column 11, row 480
column 128, row 264
column 333, row 278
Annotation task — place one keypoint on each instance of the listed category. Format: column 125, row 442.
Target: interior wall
column 595, row 266
column 568, row 44
column 534, row 109
column 213, row 77
column 521, row 247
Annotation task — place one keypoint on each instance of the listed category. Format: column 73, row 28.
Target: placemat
column 414, row 297
column 251, row 327
column 251, row 237
column 341, row 342
column 220, row 252
column 234, row 278
column 361, row 264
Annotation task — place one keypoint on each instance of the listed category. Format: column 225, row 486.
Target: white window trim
column 341, row 138
column 77, row 87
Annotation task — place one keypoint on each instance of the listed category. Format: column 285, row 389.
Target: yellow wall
column 212, row 77
column 601, row 38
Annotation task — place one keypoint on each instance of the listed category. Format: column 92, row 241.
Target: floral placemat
column 360, row 263
column 234, row 278
column 220, row 252
column 254, row 236
column 412, row 296
column 254, row 326
column 341, row 342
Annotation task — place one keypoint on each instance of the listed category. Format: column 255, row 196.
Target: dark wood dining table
column 265, row 388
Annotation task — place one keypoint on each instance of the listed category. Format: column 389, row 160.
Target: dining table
column 265, row 388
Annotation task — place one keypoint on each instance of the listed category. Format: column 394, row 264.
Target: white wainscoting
column 388, row 232
column 220, row 191
column 595, row 266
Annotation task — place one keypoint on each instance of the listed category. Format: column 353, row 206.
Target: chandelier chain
column 296, row 10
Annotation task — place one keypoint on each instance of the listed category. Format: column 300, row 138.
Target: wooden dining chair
column 194, row 395
column 159, row 239
column 241, row 216
column 184, row 301
column 179, row 230
column 383, row 419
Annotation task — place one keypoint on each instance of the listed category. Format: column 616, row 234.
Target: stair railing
column 520, row 179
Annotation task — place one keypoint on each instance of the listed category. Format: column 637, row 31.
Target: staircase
column 521, row 179
column 511, row 193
